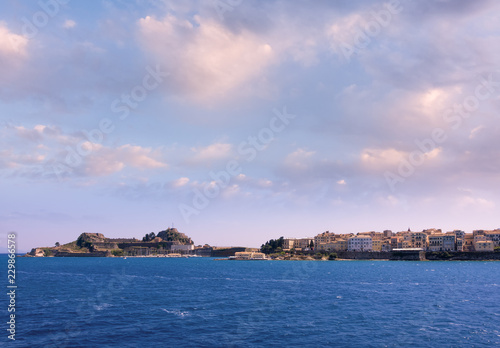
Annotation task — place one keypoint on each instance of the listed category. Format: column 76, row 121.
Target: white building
column 182, row 247
column 360, row 243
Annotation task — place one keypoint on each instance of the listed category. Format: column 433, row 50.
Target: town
column 426, row 240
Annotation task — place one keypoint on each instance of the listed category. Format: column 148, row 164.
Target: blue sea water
column 199, row 302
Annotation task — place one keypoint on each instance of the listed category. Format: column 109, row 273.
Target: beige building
column 435, row 242
column 376, row 245
column 486, row 245
column 432, row 231
column 289, row 243
column 459, row 240
column 245, row 255
column 419, row 240
column 340, row 245
column 477, row 239
column 297, row 243
column 397, row 242
column 386, row 245
column 468, row 242
column 304, row 243
column 325, row 247
column 324, row 238
column 493, row 236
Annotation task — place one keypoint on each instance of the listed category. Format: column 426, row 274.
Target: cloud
column 475, row 131
column 210, row 153
column 105, row 160
column 13, row 54
column 29, row 149
column 68, row 24
column 475, row 202
column 377, row 158
column 11, row 45
column 390, row 157
column 207, row 61
column 9, row 159
column 299, row 159
column 180, row 182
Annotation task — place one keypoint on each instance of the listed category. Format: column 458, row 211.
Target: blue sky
column 241, row 121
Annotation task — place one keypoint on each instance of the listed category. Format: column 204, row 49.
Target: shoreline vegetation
column 170, row 243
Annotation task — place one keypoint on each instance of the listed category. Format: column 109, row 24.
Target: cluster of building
column 427, row 240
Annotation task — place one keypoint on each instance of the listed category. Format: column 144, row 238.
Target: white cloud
column 475, row 131
column 10, row 43
column 180, row 182
column 299, row 159
column 341, row 182
column 477, row 203
column 390, row 157
column 210, row 153
column 47, row 146
column 343, row 32
column 104, row 161
column 139, row 157
column 231, row 191
column 389, row 200
column 11, row 159
column 206, row 60
column 265, row 183
column 383, row 157
column 69, row 23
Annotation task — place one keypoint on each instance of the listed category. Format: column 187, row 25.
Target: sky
column 238, row 121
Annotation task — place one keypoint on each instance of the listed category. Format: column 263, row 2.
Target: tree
column 57, row 244
column 311, row 245
column 272, row 246
column 117, row 252
column 149, row 237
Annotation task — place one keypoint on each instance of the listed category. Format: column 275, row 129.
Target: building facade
column 362, row 243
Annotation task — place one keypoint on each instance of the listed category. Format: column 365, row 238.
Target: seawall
column 462, row 256
column 93, row 254
column 382, row 255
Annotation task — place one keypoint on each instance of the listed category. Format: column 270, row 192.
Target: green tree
column 311, row 245
column 117, row 252
column 149, row 237
column 273, row 246
column 57, row 244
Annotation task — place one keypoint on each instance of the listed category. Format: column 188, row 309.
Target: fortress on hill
column 96, row 244
column 169, row 242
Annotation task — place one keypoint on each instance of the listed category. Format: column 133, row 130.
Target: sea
column 202, row 302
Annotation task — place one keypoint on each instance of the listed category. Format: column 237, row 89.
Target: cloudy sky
column 238, row 121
